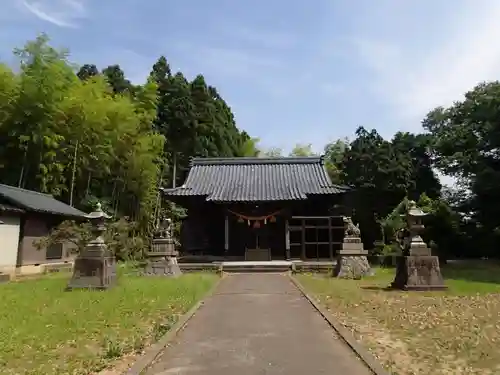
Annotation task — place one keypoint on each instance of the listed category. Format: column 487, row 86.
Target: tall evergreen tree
column 116, row 79
column 381, row 177
column 87, row 71
column 423, row 178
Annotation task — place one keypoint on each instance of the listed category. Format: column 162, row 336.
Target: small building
column 25, row 217
column 253, row 208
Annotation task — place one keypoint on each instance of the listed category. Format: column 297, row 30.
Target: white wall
column 9, row 241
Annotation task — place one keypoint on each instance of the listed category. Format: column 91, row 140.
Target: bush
column 382, row 249
column 120, row 236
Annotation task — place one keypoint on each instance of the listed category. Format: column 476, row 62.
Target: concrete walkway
column 257, row 324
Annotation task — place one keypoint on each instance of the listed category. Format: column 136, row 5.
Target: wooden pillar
column 287, row 240
column 226, row 233
column 303, row 250
column 330, row 245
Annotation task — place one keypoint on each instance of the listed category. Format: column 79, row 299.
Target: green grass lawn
column 45, row 330
column 454, row 332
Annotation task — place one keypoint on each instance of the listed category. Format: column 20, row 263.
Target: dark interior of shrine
column 310, row 229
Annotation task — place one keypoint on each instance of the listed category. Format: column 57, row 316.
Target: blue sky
column 292, row 71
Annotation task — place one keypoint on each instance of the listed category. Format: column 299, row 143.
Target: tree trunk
column 174, row 171
column 21, row 174
column 89, row 179
column 73, row 175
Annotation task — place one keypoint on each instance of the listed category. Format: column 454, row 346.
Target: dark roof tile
column 256, row 179
column 38, row 202
column 9, row 208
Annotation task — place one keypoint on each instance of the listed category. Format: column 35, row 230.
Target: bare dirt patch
column 454, row 332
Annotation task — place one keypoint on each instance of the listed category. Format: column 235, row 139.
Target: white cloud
column 63, row 13
column 415, row 80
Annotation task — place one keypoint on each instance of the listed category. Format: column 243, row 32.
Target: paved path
column 257, row 324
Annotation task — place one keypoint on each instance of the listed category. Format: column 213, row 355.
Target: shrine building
column 253, row 209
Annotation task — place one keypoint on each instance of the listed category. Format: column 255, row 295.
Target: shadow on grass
column 380, row 288
column 479, row 271
column 471, row 270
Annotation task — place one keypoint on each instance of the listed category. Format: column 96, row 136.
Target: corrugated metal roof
column 256, row 179
column 39, row 202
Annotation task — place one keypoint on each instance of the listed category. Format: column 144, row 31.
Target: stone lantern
column 162, row 258
column 417, row 269
column 415, row 225
column 95, row 266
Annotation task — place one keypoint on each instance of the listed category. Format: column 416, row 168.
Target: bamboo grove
column 85, row 135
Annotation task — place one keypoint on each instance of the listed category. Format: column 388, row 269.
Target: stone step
column 255, row 268
column 196, row 267
column 247, row 266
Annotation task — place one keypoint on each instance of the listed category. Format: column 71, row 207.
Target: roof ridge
column 253, row 179
column 27, row 190
column 249, row 160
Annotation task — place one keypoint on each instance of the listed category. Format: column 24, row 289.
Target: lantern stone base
column 162, row 267
column 352, row 261
column 418, row 272
column 94, row 268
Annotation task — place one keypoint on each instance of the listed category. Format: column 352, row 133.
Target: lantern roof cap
column 98, row 213
column 414, row 210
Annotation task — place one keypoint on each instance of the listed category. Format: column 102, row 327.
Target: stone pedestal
column 352, row 261
column 162, row 259
column 94, row 268
column 163, row 267
column 419, row 248
column 418, row 272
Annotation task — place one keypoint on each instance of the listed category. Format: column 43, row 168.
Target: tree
column 161, row 72
column 119, row 237
column 381, row 177
column 74, row 139
column 32, row 135
column 466, row 140
column 87, row 71
column 116, row 79
column 195, row 121
column 423, row 178
column 249, row 146
column 334, row 154
column 443, row 230
column 302, row 150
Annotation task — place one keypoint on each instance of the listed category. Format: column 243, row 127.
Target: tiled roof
column 9, row 208
column 256, row 179
column 38, row 202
